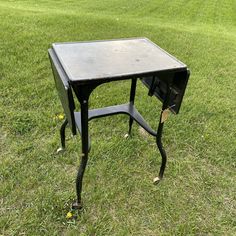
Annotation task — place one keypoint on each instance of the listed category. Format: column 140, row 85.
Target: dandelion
column 61, row 116
column 69, row 215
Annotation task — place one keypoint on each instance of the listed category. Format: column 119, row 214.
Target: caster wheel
column 156, row 180
column 60, row 150
column 77, row 206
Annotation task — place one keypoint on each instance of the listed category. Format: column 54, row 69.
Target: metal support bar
column 128, row 109
column 131, row 100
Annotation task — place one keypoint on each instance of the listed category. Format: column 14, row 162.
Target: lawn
column 198, row 193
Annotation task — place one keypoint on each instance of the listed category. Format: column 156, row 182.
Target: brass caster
column 74, row 212
column 60, row 150
column 77, row 206
column 156, row 180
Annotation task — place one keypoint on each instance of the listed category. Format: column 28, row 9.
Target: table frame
column 83, row 91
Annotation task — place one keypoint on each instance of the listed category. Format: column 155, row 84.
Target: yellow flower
column 61, row 116
column 69, row 215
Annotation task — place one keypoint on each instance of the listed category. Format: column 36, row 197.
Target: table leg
column 85, row 150
column 159, row 136
column 162, row 151
column 62, row 134
column 132, row 96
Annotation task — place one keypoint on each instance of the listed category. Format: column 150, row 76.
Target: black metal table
column 82, row 66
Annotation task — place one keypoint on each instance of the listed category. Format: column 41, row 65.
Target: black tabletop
column 95, row 60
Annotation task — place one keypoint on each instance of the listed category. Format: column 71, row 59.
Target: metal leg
column 132, row 96
column 163, row 153
column 159, row 136
column 62, row 134
column 85, row 150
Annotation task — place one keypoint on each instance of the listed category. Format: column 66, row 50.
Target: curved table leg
column 85, row 150
column 163, row 117
column 62, row 134
column 79, row 181
column 163, row 153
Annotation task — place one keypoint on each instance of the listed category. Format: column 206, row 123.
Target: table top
column 96, row 60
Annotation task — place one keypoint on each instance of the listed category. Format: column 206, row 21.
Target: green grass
column 198, row 193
